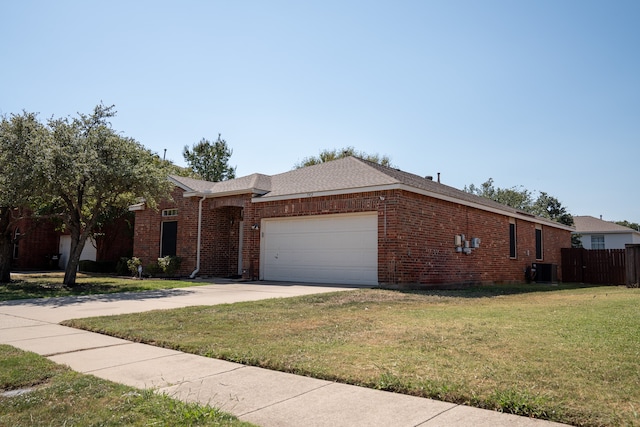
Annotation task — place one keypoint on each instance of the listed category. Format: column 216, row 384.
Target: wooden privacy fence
column 633, row 265
column 596, row 266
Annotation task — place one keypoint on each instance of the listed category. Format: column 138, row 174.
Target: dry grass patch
column 567, row 354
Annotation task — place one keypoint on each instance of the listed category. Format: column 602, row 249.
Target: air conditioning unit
column 545, row 272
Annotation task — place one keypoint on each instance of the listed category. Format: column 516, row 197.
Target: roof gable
column 190, row 184
column 588, row 225
column 342, row 176
column 255, row 183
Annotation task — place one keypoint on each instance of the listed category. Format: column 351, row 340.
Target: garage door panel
column 328, row 248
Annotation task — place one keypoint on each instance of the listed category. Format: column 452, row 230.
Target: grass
column 60, row 396
column 48, row 285
column 561, row 353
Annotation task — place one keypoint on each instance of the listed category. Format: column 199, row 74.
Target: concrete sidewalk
column 264, row 397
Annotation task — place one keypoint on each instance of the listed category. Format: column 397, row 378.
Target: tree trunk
column 6, row 245
column 77, row 245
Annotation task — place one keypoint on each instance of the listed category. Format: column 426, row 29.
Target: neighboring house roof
column 255, row 184
column 591, row 225
column 191, row 184
column 346, row 175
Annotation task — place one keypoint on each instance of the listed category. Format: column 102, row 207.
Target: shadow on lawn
column 101, row 293
column 496, row 290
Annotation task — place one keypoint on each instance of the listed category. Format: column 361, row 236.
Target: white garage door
column 88, row 252
column 321, row 249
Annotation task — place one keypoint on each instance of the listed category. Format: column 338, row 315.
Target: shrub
column 169, row 264
column 87, row 266
column 152, row 269
column 122, row 268
column 133, row 265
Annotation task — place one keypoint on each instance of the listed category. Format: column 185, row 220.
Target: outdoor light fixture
column 255, row 226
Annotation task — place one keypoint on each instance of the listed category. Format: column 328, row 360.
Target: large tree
column 518, row 198
column 16, row 180
column 544, row 205
column 633, row 225
column 210, row 160
column 334, row 154
column 83, row 168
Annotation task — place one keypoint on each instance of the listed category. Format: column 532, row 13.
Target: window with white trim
column 597, row 241
column 169, row 212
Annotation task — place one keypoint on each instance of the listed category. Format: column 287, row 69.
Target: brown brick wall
column 416, row 237
column 219, row 240
column 148, row 226
column 424, row 251
column 38, row 243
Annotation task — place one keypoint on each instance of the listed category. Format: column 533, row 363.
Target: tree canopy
column 79, row 169
column 16, row 179
column 334, row 154
column 520, row 198
column 633, row 225
column 210, row 160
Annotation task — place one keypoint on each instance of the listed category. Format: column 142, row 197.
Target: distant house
column 595, row 233
column 346, row 221
column 42, row 247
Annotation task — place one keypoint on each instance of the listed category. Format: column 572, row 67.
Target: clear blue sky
column 543, row 94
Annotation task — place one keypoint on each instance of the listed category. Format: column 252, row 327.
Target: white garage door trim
column 335, row 248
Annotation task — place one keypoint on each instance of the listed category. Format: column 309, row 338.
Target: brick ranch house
column 346, row 221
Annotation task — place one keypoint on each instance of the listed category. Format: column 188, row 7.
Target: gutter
column 194, row 272
column 225, row 193
column 399, row 186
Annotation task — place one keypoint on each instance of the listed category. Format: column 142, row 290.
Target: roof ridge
column 591, row 224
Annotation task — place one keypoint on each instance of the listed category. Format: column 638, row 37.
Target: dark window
column 169, row 238
column 538, row 243
column 512, row 240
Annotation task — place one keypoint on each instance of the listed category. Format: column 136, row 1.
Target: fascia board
column 208, row 195
column 325, row 193
column 410, row 189
column 608, row 232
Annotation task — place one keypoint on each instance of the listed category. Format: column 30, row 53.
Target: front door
column 169, row 238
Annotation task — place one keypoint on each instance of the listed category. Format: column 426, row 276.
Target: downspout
column 193, row 274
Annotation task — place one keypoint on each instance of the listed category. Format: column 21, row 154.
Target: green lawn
column 61, row 397
column 47, row 285
column 563, row 353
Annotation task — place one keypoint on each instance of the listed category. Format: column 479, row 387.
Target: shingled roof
column 588, row 224
column 256, row 183
column 346, row 175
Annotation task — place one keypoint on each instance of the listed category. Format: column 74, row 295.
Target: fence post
column 633, row 265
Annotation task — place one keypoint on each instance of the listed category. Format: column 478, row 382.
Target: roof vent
column 429, row 177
